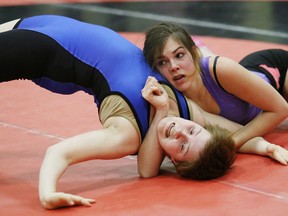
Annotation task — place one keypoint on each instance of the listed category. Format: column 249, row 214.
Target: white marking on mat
column 283, row 197
column 32, row 131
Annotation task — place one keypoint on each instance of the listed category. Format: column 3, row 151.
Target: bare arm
column 151, row 154
column 58, row 157
column 120, row 138
column 262, row 147
column 247, row 86
column 256, row 145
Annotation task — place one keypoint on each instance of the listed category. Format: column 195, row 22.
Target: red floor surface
column 31, row 119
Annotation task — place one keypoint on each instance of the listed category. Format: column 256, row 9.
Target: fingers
column 58, row 200
column 151, row 79
column 271, row 148
column 278, row 153
column 152, row 87
column 278, row 157
column 150, row 92
column 155, row 94
column 284, row 154
column 77, row 200
column 151, row 82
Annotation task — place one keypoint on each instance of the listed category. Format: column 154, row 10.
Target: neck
column 197, row 89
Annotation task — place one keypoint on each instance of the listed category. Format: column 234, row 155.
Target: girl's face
column 176, row 65
column 182, row 139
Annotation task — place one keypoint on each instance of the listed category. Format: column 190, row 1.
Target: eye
column 183, row 146
column 161, row 63
column 180, row 55
column 192, row 130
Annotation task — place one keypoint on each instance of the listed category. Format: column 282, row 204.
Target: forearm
column 256, row 145
column 262, row 124
column 255, row 91
column 150, row 155
column 51, row 170
column 80, row 148
column 260, row 146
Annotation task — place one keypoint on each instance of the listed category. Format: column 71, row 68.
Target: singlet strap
column 215, row 74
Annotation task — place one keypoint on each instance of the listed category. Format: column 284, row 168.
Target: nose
column 179, row 133
column 174, row 66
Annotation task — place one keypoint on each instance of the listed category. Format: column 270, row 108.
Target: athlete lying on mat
column 64, row 55
column 192, row 148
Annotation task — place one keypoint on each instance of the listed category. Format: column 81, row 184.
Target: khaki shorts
column 115, row 105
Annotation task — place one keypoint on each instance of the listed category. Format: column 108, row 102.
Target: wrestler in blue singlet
column 271, row 65
column 64, row 55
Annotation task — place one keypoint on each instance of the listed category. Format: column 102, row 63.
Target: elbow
column 146, row 174
column 148, row 168
column 51, row 153
column 58, row 153
column 283, row 113
column 286, row 111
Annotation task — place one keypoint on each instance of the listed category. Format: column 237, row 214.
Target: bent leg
column 28, row 54
column 24, row 54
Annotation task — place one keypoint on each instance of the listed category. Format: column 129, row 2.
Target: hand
column 58, row 199
column 155, row 94
column 277, row 153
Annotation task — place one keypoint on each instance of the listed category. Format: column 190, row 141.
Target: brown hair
column 157, row 36
column 215, row 160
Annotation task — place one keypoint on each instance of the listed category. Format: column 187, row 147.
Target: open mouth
column 168, row 131
column 178, row 77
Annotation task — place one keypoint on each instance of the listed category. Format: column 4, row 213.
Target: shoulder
column 223, row 66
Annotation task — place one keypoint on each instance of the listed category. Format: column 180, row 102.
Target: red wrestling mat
column 31, row 119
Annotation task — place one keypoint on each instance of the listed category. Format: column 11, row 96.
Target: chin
column 182, row 88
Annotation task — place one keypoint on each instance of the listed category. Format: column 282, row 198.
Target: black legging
column 26, row 54
column 274, row 58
